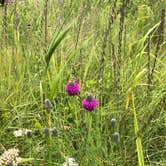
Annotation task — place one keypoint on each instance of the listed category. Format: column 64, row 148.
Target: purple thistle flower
column 90, row 103
column 73, row 88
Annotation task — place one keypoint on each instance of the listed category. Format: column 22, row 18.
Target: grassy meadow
column 116, row 50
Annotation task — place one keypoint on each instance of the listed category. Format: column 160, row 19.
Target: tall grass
column 116, row 51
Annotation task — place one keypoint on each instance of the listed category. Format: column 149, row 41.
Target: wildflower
column 46, row 131
column 61, row 2
column 48, row 105
column 116, row 137
column 113, row 122
column 58, row 17
column 73, row 88
column 90, row 103
column 28, row 133
column 18, row 133
column 54, row 132
column 10, row 157
column 70, row 162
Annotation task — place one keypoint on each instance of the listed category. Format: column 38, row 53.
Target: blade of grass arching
column 57, row 38
column 62, row 68
column 138, row 140
column 54, row 44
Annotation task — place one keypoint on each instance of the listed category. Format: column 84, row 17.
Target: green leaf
column 138, row 140
column 38, row 125
column 54, row 44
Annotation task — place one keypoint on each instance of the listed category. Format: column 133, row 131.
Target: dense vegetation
column 115, row 50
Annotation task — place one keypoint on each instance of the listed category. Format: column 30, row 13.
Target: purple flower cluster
column 73, row 88
column 90, row 103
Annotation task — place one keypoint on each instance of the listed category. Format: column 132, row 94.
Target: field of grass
column 116, row 50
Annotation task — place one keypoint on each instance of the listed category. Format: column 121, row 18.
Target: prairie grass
column 115, row 49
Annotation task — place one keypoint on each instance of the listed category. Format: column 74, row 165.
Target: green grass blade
column 54, row 44
column 138, row 140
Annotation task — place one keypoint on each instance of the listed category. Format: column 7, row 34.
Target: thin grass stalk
column 160, row 40
column 124, row 46
column 111, row 18
column 152, row 116
column 121, row 29
column 138, row 140
column 114, row 69
column 5, row 24
column 80, row 21
column 148, row 67
column 46, row 20
column 14, row 31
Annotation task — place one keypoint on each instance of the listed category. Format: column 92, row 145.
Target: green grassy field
column 117, row 52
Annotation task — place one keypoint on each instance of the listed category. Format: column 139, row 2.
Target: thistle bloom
column 73, row 88
column 90, row 103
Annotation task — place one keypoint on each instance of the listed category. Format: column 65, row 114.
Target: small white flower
column 10, row 156
column 70, row 162
column 18, row 133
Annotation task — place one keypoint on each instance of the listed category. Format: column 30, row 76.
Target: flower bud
column 47, row 105
column 113, row 122
column 54, row 132
column 116, row 137
column 46, row 131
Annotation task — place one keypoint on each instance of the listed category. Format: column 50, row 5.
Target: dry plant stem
column 160, row 40
column 80, row 20
column 114, row 68
column 14, row 31
column 45, row 19
column 124, row 48
column 78, row 33
column 5, row 24
column 119, row 59
column 148, row 66
column 111, row 18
